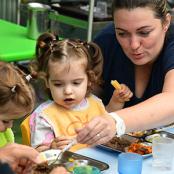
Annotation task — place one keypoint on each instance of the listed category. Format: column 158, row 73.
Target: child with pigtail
column 17, row 99
column 70, row 70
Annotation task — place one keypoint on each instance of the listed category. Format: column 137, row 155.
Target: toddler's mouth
column 68, row 99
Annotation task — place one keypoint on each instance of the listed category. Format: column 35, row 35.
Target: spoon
column 67, row 147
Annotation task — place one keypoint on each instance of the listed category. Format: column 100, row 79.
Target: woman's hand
column 98, row 131
column 19, row 157
column 60, row 142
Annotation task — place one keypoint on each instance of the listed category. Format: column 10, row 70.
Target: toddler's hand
column 122, row 95
column 60, row 142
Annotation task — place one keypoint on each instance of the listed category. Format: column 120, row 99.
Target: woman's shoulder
column 107, row 34
column 170, row 33
column 167, row 57
column 108, row 29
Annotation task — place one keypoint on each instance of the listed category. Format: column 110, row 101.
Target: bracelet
column 120, row 124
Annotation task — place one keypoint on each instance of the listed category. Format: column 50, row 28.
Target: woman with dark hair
column 138, row 50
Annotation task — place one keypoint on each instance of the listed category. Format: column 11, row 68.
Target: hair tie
column 42, row 44
column 74, row 45
column 13, row 89
column 28, row 77
column 51, row 44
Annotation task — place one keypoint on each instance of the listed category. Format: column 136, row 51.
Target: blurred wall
column 9, row 10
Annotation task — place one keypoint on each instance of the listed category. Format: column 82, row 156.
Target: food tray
column 69, row 156
column 142, row 134
column 157, row 134
column 145, row 139
column 124, row 143
column 99, row 164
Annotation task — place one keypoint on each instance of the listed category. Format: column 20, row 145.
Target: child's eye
column 6, row 122
column 58, row 84
column 77, row 83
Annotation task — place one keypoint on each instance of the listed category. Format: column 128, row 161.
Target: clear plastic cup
column 163, row 152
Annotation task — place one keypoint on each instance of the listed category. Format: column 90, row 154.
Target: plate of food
column 142, row 134
column 128, row 143
column 150, row 138
column 67, row 160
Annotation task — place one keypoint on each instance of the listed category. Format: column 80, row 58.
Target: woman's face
column 140, row 34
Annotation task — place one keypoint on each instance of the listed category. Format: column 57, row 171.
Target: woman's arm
column 154, row 112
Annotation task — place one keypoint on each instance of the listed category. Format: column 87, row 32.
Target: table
column 110, row 158
column 14, row 44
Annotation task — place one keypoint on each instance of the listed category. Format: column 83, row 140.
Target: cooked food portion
column 151, row 137
column 43, row 168
column 118, row 143
column 129, row 145
column 142, row 133
column 115, row 84
column 137, row 134
column 140, row 148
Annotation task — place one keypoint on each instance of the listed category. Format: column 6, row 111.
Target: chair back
column 25, row 129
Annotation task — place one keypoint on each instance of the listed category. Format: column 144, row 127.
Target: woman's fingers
column 99, row 125
column 99, row 138
column 98, row 130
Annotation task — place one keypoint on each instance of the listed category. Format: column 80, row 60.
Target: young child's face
column 4, row 124
column 68, row 83
column 6, row 119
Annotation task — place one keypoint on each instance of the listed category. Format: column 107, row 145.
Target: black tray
column 143, row 139
column 160, row 133
column 118, row 149
column 99, row 164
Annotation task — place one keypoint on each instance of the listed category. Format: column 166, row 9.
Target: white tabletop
column 110, row 157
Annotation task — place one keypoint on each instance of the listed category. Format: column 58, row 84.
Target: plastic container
column 38, row 19
column 130, row 163
column 86, row 170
